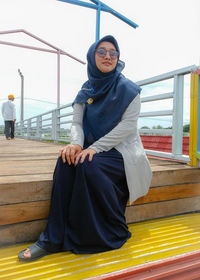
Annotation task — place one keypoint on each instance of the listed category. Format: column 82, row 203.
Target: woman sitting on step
column 103, row 167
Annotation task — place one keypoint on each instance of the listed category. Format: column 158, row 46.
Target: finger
column 83, row 157
column 90, row 156
column 63, row 156
column 72, row 155
column 68, row 156
column 60, row 153
column 77, row 158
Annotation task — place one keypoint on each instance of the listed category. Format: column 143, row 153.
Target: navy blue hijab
column 105, row 95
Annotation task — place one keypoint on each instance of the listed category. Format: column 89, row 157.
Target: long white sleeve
column 127, row 126
column 77, row 135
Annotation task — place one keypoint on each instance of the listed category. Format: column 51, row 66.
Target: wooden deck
column 26, row 169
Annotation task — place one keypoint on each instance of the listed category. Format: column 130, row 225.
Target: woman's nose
column 107, row 55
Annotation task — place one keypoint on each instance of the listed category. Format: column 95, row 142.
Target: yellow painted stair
column 150, row 241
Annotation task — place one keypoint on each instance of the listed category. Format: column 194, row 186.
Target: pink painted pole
column 11, row 31
column 50, row 45
column 56, row 50
column 42, row 41
column 29, row 47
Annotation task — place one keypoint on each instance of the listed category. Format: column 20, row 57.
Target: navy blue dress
column 87, row 206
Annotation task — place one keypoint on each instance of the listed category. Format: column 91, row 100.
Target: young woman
column 103, row 167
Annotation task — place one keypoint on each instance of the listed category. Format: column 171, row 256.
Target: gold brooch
column 90, row 100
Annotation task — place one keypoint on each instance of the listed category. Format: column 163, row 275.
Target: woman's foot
column 27, row 253
column 32, row 253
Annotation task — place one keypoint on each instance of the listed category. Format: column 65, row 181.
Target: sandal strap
column 36, row 252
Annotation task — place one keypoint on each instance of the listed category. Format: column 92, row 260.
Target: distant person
column 103, row 167
column 9, row 115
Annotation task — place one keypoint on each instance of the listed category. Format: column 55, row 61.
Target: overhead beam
column 29, row 47
column 115, row 13
column 84, row 4
column 100, row 6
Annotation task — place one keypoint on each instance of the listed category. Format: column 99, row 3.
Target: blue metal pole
column 85, row 4
column 104, row 8
column 80, row 3
column 115, row 13
column 98, row 23
column 99, row 6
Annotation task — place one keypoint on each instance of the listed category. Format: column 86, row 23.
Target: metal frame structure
column 100, row 6
column 47, row 126
column 54, row 50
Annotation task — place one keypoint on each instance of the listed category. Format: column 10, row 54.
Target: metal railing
column 177, row 95
column 55, row 124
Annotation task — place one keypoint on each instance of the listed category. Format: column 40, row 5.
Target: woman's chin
column 106, row 69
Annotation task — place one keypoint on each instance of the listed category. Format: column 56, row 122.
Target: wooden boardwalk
column 26, row 169
column 23, row 160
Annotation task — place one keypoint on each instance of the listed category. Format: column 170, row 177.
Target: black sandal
column 36, row 253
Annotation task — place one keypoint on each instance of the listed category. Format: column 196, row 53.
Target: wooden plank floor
column 22, row 160
column 26, row 169
column 25, row 160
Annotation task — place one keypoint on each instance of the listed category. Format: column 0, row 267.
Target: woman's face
column 109, row 62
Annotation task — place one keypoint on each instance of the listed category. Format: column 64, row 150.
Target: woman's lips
column 106, row 63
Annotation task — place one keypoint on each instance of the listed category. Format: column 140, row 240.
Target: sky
column 167, row 39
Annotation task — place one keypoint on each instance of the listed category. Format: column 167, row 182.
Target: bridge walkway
column 164, row 223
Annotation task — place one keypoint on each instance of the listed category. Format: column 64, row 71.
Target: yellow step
column 150, row 241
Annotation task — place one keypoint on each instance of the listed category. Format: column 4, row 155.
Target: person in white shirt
column 9, row 115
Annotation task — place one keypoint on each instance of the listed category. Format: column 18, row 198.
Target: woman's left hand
column 83, row 155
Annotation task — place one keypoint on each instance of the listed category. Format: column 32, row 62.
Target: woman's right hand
column 70, row 152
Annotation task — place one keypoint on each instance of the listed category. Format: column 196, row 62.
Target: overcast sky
column 167, row 39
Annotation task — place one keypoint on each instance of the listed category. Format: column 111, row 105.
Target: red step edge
column 177, row 267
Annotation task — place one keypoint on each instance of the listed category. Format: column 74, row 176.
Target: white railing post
column 177, row 130
column 38, row 128
column 29, row 128
column 17, row 129
column 22, row 128
column 54, row 131
column 58, row 124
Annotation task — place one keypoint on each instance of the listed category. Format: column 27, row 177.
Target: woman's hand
column 70, row 152
column 81, row 156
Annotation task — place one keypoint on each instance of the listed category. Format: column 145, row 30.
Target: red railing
column 163, row 143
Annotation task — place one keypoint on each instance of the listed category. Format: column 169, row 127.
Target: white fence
column 55, row 125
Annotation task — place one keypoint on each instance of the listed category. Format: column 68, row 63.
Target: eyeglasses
column 102, row 53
